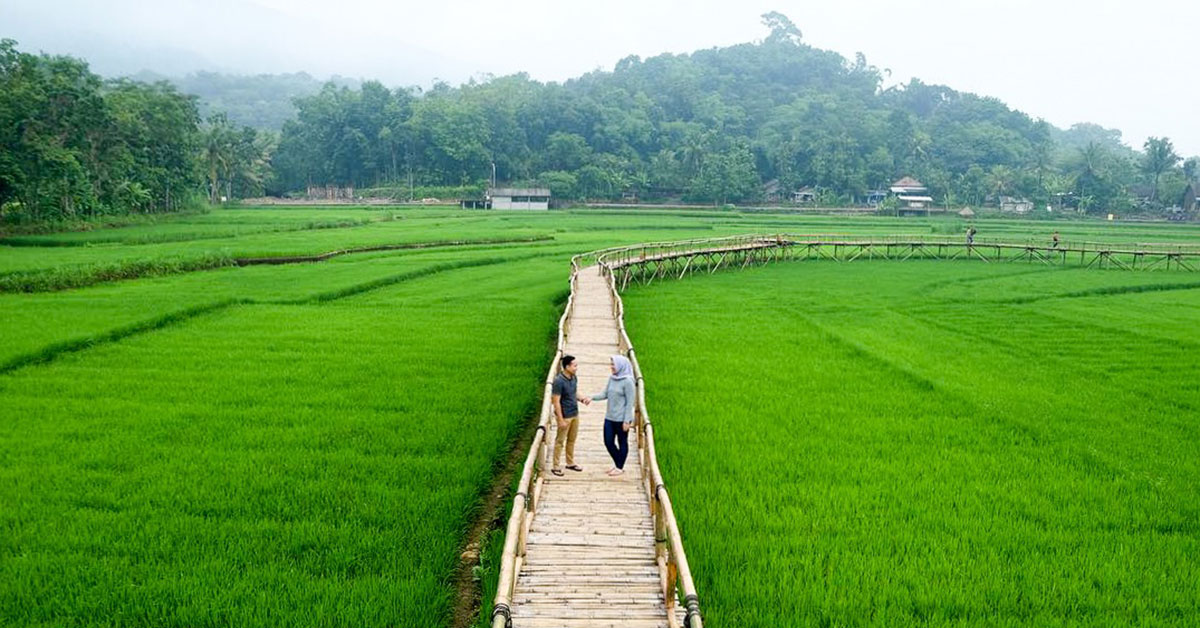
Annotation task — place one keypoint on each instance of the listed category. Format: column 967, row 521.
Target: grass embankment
column 886, row 443
column 271, row 465
column 224, row 225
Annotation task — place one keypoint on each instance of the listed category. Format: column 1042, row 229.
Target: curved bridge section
column 646, row 263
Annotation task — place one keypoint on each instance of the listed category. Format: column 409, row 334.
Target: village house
column 911, row 193
column 519, row 198
column 804, row 195
column 511, row 198
column 1015, row 205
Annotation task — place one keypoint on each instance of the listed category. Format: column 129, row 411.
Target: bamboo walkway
column 590, row 557
column 588, row 550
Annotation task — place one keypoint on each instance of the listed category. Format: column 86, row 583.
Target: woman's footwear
column 616, row 472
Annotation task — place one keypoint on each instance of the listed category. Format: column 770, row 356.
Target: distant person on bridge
column 566, row 408
column 970, row 236
column 1054, row 240
column 621, row 393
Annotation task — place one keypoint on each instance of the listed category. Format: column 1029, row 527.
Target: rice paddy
column 875, row 443
column 885, row 443
column 270, row 464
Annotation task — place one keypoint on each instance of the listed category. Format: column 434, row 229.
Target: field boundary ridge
column 59, row 278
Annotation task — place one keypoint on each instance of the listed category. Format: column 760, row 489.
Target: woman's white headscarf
column 624, row 368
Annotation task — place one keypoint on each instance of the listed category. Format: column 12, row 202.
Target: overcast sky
column 1130, row 65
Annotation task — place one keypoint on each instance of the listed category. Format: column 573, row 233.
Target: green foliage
column 74, row 147
column 236, row 162
column 1160, row 157
column 416, row 193
column 563, row 185
column 709, row 127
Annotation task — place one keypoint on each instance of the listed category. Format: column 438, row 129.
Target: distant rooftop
column 519, row 192
column 908, row 182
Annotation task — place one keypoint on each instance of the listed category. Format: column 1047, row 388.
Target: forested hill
column 714, row 126
column 743, row 124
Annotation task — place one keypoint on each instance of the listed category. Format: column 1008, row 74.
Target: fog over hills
column 126, row 37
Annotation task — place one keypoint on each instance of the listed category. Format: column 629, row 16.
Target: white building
column 519, row 198
column 911, row 193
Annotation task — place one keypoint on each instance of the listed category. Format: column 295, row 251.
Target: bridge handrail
column 675, row 572
column 620, row 256
column 529, row 487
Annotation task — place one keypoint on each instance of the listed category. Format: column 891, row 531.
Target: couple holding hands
column 620, row 392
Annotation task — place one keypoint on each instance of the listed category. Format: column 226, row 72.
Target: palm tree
column 1000, row 180
column 218, row 153
column 1160, row 157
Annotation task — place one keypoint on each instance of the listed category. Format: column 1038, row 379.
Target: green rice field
column 185, row 442
column 931, row 443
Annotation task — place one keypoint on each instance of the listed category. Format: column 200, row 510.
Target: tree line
column 716, row 126
column 74, row 146
column 724, row 125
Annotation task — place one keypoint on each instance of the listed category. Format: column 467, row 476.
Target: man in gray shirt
column 566, row 406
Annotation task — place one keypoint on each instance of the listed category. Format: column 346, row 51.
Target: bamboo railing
column 620, row 255
column 674, row 572
column 529, row 488
column 1128, row 256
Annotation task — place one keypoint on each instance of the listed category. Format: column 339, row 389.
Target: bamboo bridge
column 589, row 550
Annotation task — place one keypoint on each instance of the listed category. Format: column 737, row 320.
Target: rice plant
column 882, row 443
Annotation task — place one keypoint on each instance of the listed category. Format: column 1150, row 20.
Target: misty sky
column 1130, row 65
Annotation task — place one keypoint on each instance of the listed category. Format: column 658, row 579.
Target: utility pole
column 493, row 175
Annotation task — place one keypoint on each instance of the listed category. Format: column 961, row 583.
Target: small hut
column 804, row 195
column 1015, row 205
column 967, row 213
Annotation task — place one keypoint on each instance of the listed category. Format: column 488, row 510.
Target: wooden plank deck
column 590, row 559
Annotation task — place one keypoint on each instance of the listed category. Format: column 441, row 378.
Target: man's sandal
column 557, row 472
column 575, row 467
